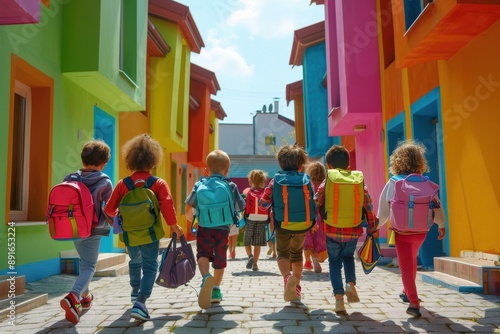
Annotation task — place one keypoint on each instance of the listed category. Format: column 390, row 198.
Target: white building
column 254, row 146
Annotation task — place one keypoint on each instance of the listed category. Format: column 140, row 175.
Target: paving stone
column 253, row 304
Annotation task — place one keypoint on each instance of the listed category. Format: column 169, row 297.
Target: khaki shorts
column 289, row 246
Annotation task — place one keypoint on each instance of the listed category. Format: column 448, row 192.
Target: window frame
column 24, row 91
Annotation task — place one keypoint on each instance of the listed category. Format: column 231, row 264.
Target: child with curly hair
column 408, row 158
column 142, row 154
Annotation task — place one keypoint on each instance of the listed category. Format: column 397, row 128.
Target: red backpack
column 70, row 212
column 252, row 203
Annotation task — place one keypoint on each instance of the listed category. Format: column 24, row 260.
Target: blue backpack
column 214, row 202
column 293, row 202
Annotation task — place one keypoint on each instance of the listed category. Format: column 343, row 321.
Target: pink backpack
column 70, row 212
column 412, row 206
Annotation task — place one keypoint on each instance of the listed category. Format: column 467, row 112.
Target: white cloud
column 223, row 58
column 273, row 18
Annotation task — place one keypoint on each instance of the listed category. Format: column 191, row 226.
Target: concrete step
column 11, row 308
column 70, row 261
column 107, row 260
column 467, row 268
column 113, row 271
column 451, row 282
column 11, row 285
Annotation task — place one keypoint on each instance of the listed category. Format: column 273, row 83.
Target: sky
column 248, row 45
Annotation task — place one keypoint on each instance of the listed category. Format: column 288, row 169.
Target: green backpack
column 139, row 212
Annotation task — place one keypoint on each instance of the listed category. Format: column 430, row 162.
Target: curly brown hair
column 291, row 157
column 408, row 158
column 257, row 178
column 142, row 153
column 316, row 171
column 218, row 162
column 95, row 153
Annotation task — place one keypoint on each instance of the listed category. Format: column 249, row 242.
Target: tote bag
column 178, row 265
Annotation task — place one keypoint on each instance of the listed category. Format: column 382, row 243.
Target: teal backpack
column 139, row 213
column 214, row 202
column 293, row 202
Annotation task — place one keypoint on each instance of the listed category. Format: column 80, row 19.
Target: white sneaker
column 351, row 293
column 339, row 306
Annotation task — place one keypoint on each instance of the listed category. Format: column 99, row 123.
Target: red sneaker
column 87, row 301
column 308, row 265
column 72, row 307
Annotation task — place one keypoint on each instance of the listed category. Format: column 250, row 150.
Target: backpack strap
column 256, row 208
column 284, row 194
column 150, row 181
column 307, row 198
column 336, row 193
column 129, row 183
column 357, row 200
column 72, row 220
column 411, row 205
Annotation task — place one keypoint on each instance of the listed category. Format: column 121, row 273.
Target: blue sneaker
column 216, row 295
column 139, row 312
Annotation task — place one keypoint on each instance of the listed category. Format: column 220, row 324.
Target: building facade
column 126, row 73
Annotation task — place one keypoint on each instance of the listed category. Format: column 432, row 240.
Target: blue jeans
column 143, row 258
column 341, row 253
column 88, row 251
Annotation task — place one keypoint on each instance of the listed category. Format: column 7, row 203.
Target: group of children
column 315, row 239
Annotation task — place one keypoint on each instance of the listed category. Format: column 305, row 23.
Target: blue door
column 105, row 128
column 426, row 130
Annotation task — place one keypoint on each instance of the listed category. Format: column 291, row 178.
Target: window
column 29, row 160
column 183, row 187
column 413, row 9
column 270, row 140
column 20, row 152
column 182, row 108
column 128, row 40
column 173, row 182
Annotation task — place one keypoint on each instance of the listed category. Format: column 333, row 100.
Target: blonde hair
column 408, row 158
column 316, row 171
column 257, row 178
column 142, row 153
column 218, row 162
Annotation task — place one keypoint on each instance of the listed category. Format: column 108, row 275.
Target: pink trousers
column 407, row 247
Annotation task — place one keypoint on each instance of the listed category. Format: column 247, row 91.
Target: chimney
column 276, row 105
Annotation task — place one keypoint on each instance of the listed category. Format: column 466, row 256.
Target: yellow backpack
column 344, row 198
